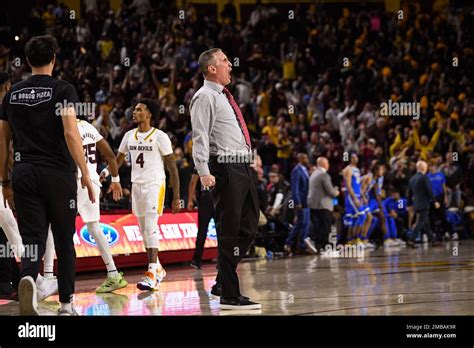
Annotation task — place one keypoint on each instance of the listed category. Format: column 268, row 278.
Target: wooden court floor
column 396, row 281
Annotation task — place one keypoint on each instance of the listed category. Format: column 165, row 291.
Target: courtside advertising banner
column 176, row 232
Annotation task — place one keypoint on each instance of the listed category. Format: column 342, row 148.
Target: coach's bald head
column 323, row 163
column 421, row 167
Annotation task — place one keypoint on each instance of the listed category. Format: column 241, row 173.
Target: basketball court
column 399, row 281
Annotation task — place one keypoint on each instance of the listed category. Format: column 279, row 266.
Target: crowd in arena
column 310, row 85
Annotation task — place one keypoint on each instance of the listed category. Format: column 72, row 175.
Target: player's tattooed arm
column 120, row 159
column 109, row 155
column 170, row 164
column 192, row 190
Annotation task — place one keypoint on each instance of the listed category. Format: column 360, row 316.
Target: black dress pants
column 321, row 220
column 423, row 225
column 45, row 196
column 237, row 209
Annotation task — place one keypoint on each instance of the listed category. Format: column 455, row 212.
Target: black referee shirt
column 33, row 111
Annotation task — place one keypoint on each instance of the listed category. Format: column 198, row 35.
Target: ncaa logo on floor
column 111, row 234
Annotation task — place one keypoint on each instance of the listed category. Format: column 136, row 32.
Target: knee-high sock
column 103, row 246
column 151, row 230
column 142, row 224
column 10, row 227
column 48, row 260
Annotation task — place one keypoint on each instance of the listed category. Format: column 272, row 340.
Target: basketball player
column 354, row 208
column 372, row 187
column 149, row 152
column 90, row 212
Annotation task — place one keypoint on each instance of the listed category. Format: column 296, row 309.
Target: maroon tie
column 238, row 114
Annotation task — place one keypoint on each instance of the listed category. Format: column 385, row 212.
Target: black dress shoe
column 411, row 244
column 239, row 304
column 217, row 291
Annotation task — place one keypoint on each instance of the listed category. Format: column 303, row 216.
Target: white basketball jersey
column 146, row 151
column 90, row 136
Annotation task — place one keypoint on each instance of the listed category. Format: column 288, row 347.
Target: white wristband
column 106, row 172
column 116, row 178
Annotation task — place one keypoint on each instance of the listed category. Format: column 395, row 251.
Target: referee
column 221, row 153
column 47, row 150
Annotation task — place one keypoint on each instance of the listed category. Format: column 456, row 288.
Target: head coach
column 47, row 150
column 222, row 157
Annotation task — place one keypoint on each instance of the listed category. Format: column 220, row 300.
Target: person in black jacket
column 420, row 196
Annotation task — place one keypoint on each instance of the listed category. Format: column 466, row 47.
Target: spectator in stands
column 453, row 173
column 271, row 130
column 277, row 191
column 284, row 152
column 268, row 152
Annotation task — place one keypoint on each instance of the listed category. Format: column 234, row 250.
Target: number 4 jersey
column 146, row 151
column 90, row 136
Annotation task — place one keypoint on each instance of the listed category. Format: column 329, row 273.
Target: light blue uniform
column 352, row 213
column 373, row 204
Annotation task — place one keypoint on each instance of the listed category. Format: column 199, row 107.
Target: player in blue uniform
column 396, row 213
column 354, row 210
column 373, row 187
